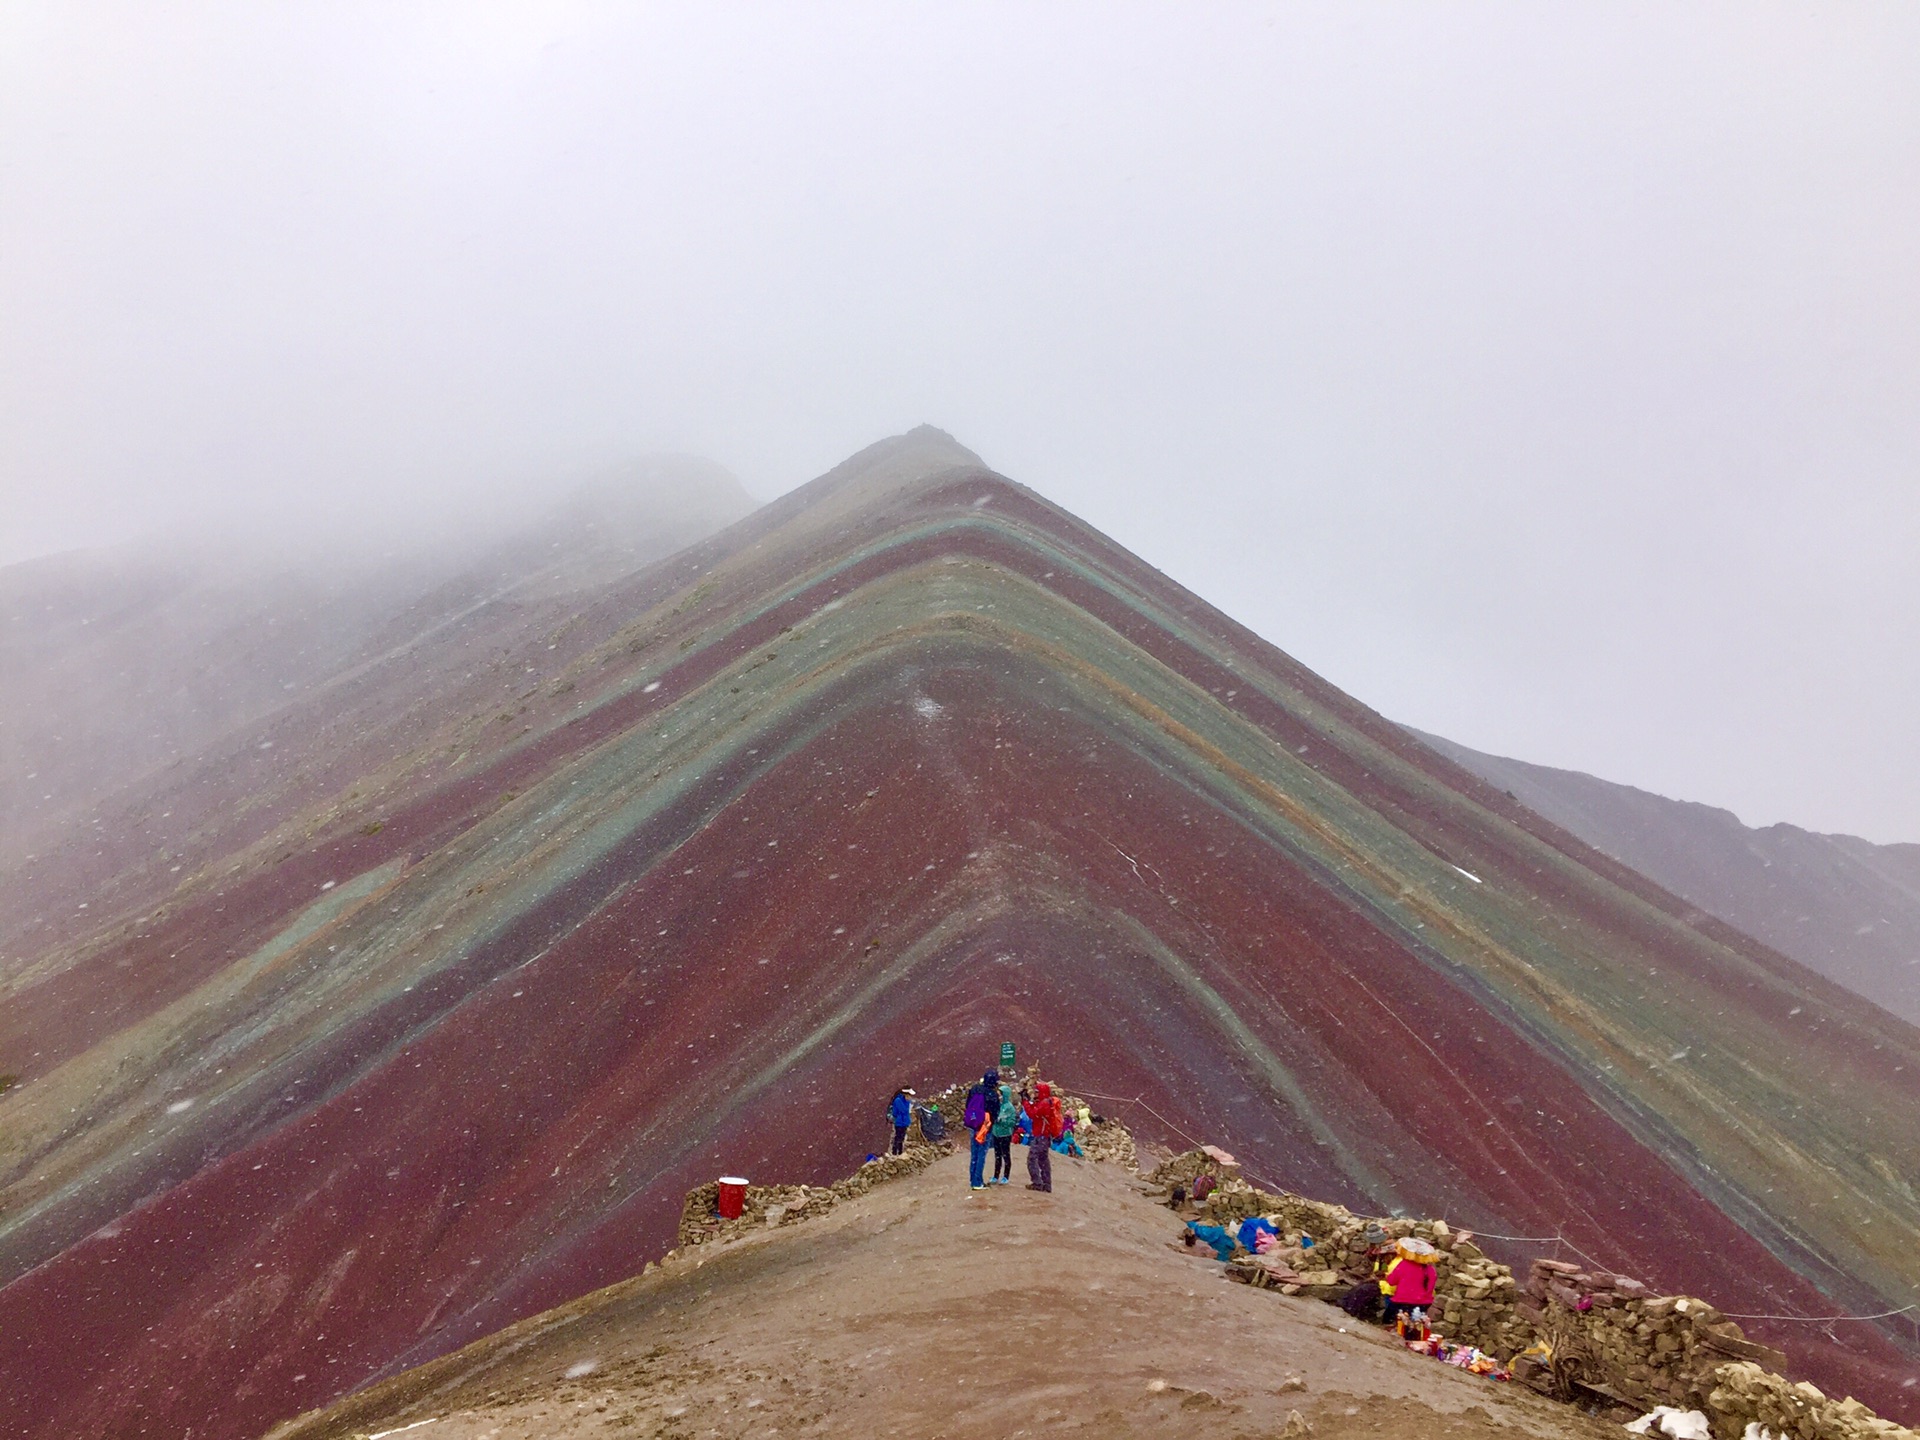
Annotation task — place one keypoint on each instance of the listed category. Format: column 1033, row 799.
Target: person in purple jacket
column 983, row 1103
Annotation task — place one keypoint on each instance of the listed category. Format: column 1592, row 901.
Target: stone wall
column 1606, row 1334
column 1747, row 1395
column 1620, row 1338
column 1474, row 1295
column 775, row 1205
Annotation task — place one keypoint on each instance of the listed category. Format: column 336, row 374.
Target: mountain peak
column 413, row 1010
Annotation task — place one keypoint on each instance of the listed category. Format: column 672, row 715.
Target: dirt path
column 924, row 1310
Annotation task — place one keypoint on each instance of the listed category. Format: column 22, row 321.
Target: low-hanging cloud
column 1544, row 376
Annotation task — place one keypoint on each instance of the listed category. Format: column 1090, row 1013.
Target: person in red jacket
column 1409, row 1283
column 1048, row 1122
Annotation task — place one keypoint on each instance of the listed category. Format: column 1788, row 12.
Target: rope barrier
column 1825, row 1319
column 1136, row 1100
column 1533, row 1240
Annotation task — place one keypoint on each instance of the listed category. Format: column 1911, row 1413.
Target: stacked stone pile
column 1106, row 1140
column 1572, row 1285
column 1749, row 1401
column 773, row 1205
column 766, row 1205
column 1184, row 1169
column 919, row 1154
column 1475, row 1300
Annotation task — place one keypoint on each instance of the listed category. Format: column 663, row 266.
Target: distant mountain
column 1840, row 905
column 415, row 1006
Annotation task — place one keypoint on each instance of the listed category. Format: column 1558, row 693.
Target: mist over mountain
column 121, row 663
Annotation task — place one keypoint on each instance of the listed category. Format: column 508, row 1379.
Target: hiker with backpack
column 901, row 1113
column 1005, row 1118
column 983, row 1104
column 1048, row 1121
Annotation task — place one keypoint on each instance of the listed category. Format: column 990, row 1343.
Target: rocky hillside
column 1840, row 905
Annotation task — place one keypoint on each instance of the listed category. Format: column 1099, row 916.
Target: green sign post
column 1006, row 1058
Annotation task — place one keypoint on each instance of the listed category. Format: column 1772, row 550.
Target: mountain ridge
column 1846, row 907
column 906, row 761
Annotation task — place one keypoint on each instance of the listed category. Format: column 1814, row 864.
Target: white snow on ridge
column 380, row 1434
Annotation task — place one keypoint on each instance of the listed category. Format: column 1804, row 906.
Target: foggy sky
column 1547, row 377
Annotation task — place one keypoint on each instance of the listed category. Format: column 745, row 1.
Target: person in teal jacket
column 1004, row 1122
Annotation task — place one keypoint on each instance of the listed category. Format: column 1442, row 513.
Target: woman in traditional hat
column 1409, row 1284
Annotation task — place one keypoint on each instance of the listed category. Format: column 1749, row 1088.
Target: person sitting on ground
column 1004, row 1121
column 901, row 1113
column 1363, row 1301
column 1203, row 1187
column 1216, row 1236
column 983, row 1103
column 1410, row 1279
column 1044, row 1115
column 1252, row 1228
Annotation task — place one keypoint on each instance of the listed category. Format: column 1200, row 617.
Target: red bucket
column 733, row 1197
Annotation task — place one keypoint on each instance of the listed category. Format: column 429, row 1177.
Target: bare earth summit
column 922, row 1309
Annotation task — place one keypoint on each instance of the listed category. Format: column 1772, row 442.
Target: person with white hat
column 901, row 1113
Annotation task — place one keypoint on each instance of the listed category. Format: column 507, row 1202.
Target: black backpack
column 933, row 1125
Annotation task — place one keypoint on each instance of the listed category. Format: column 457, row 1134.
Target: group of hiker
column 996, row 1115
column 1399, row 1291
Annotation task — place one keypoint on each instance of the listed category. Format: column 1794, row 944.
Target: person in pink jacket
column 1409, row 1284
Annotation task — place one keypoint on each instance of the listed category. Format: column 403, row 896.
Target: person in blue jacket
column 901, row 1113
